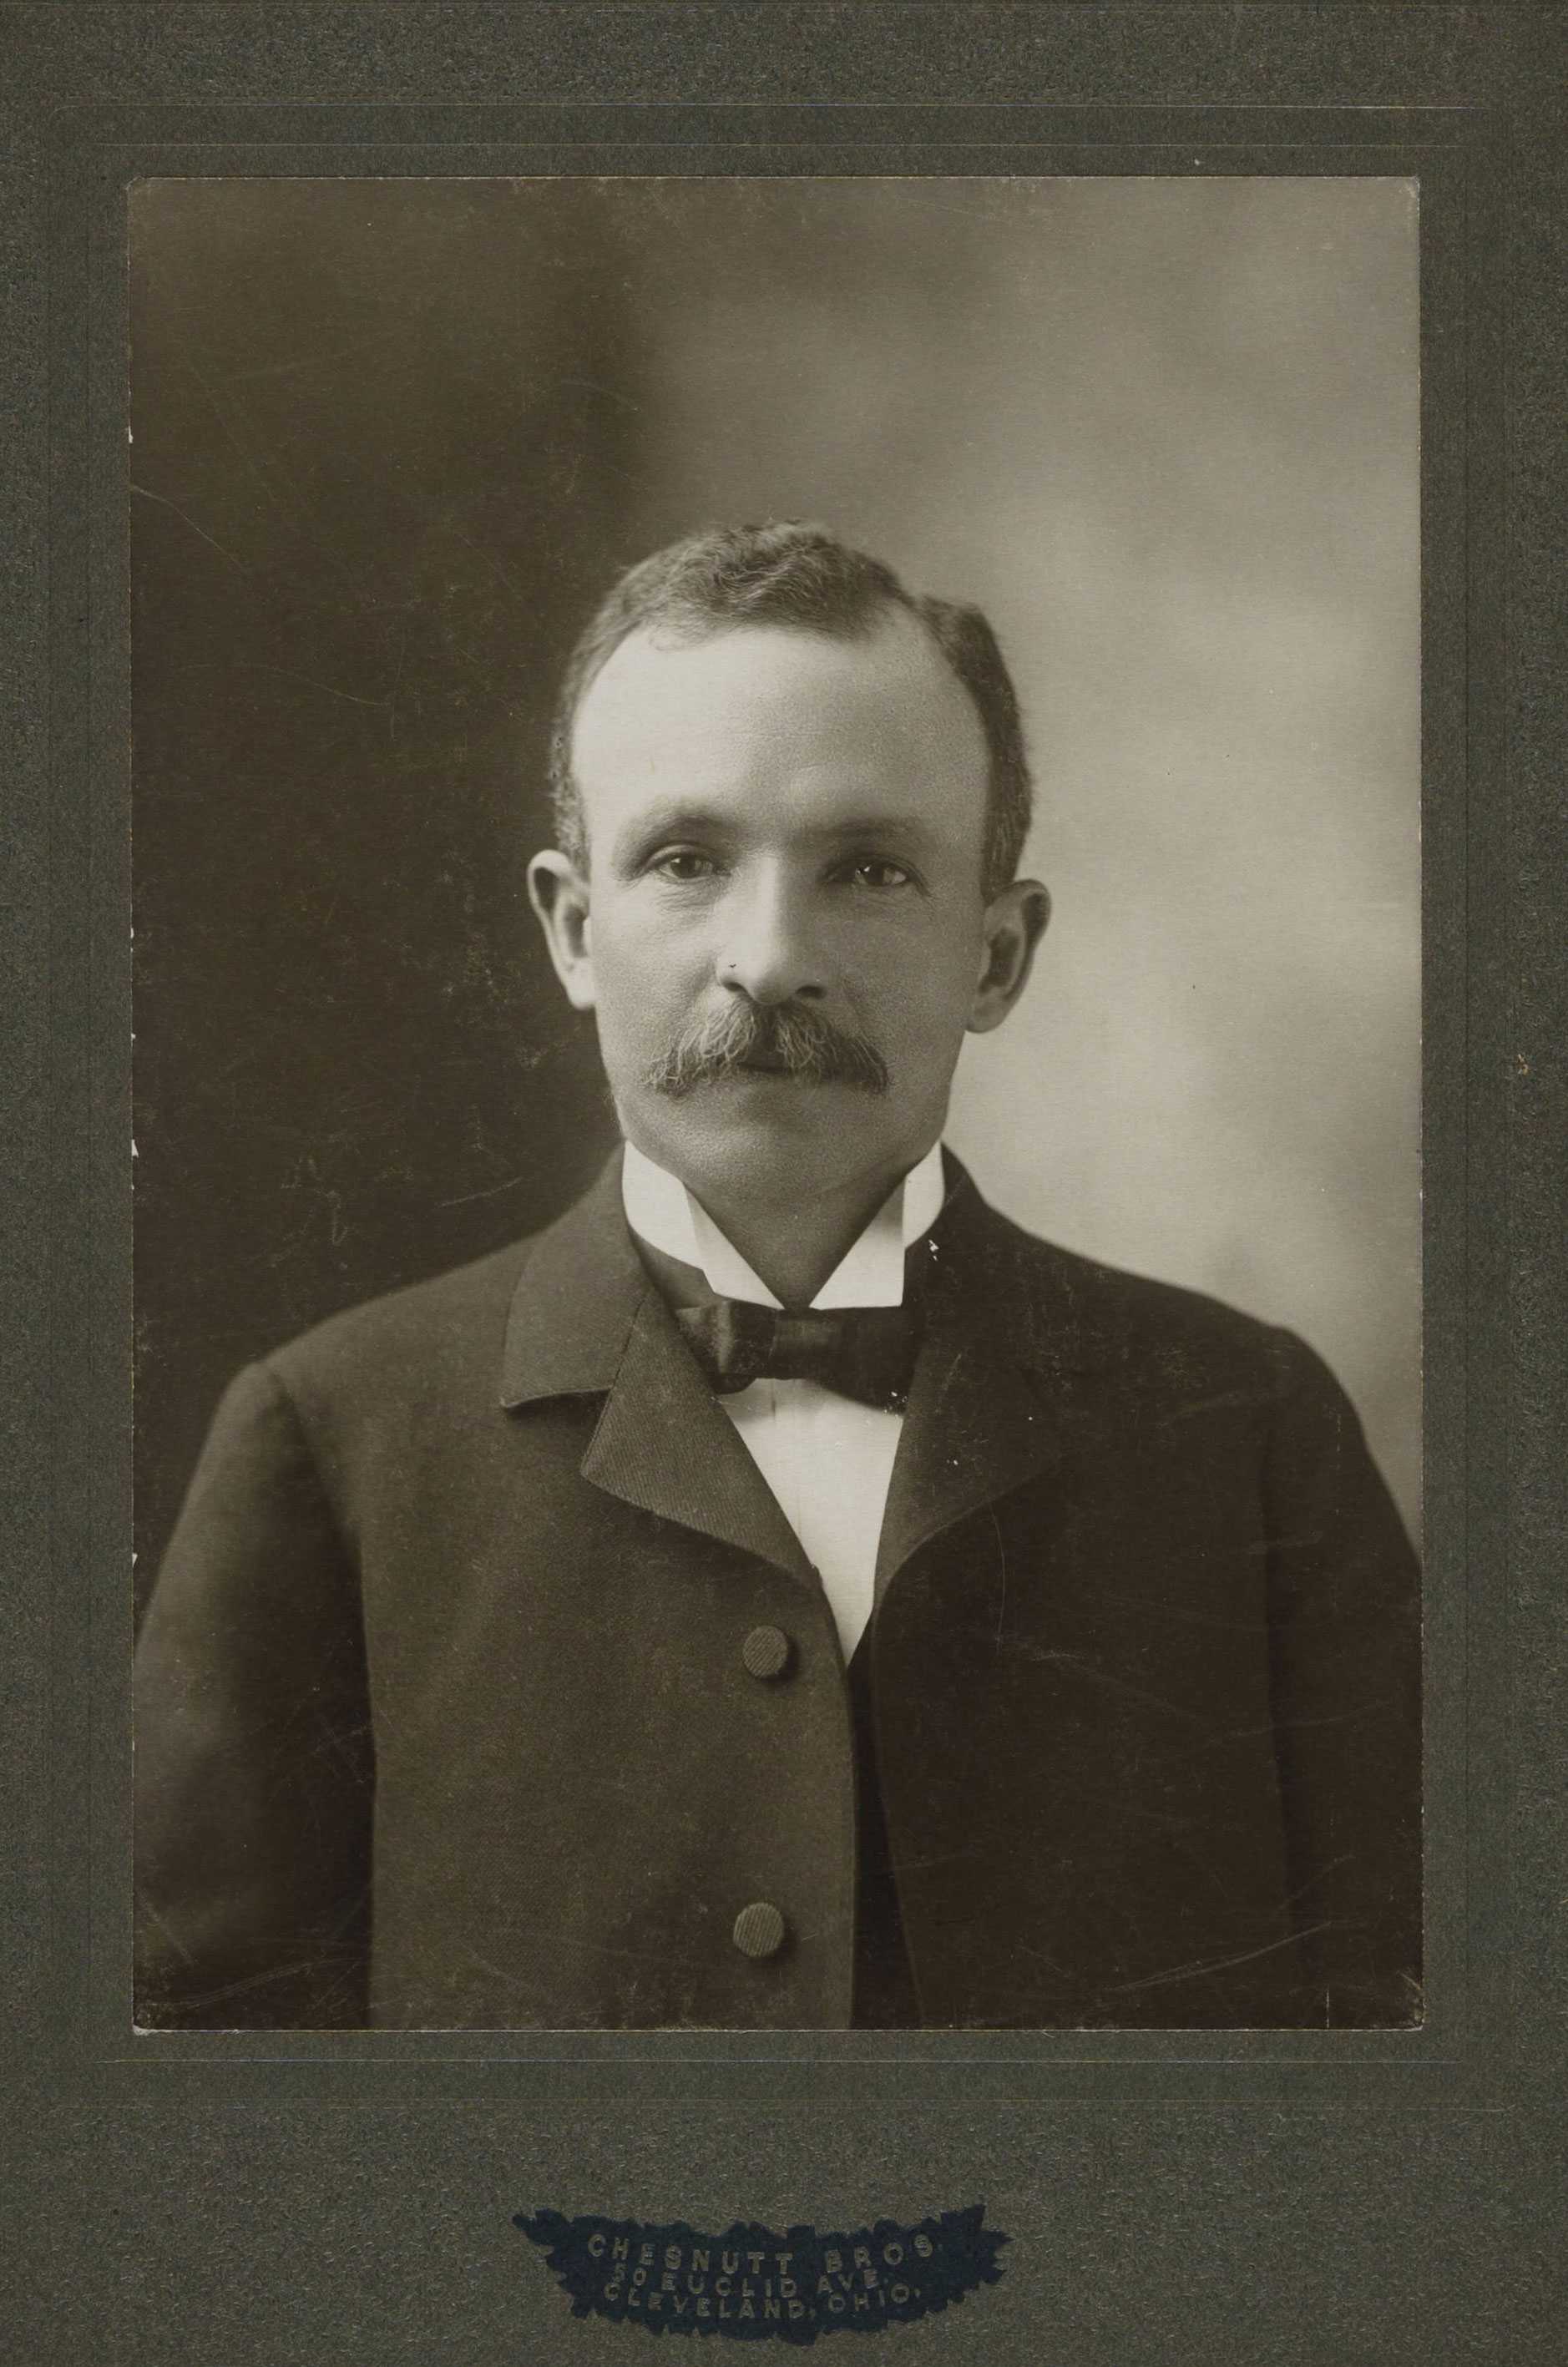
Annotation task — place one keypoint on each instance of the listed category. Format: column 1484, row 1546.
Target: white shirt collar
column 662, row 1211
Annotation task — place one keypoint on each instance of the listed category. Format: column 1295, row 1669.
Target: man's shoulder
column 429, row 1336
column 1060, row 1299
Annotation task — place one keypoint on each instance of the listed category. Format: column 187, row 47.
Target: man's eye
column 682, row 864
column 872, row 871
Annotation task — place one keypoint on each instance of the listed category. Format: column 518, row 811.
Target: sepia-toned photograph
column 776, row 1102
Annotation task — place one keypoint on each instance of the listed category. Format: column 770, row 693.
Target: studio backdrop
column 390, row 440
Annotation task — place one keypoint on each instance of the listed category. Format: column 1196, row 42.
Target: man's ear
column 1015, row 923
column 558, row 894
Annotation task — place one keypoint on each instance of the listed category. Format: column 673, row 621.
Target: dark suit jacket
column 443, row 1716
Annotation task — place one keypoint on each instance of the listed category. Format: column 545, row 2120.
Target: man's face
column 784, row 836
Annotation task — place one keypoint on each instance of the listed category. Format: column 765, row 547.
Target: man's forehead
column 778, row 691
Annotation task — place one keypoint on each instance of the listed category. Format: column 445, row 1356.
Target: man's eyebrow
column 909, row 828
column 676, row 818
column 683, row 817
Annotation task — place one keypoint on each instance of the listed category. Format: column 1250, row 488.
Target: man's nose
column 769, row 950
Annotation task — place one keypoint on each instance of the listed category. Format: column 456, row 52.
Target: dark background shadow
column 359, row 416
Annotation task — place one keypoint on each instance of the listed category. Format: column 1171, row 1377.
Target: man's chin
column 760, row 1132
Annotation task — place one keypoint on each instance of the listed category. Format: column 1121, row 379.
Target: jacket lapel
column 991, row 1401
column 587, row 1319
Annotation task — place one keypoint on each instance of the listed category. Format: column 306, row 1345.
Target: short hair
column 792, row 575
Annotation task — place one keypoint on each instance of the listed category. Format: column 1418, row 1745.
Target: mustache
column 799, row 1041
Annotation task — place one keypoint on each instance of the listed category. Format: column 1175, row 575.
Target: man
column 783, row 1593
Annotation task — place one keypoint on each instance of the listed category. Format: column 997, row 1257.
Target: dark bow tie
column 865, row 1352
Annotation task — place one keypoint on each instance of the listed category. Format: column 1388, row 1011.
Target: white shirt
column 827, row 1459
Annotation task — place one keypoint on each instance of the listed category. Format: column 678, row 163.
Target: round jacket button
column 759, row 1930
column 766, row 1651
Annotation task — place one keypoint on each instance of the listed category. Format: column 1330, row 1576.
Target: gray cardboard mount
column 1170, row 2197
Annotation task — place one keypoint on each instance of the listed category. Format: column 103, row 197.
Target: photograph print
column 776, row 833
